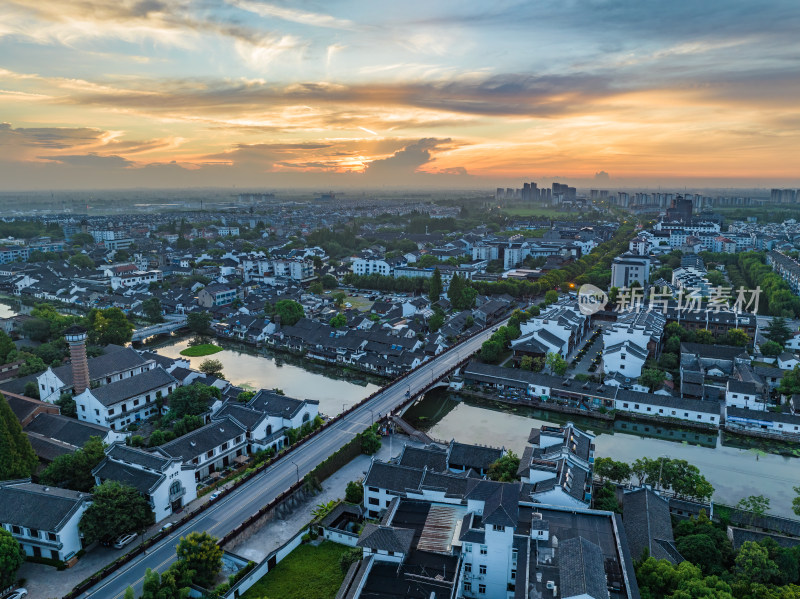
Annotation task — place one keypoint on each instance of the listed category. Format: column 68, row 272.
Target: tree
column 526, row 363
column 338, row 298
column 704, row 336
column 289, row 311
column 82, row 239
column 6, row 347
column 491, row 350
column 151, row 307
column 338, row 321
column 504, row 468
column 652, row 378
column 611, row 469
column 31, row 390
column 702, row 551
column 796, row 501
column 757, row 505
column 81, row 261
column 116, row 509
column 74, row 470
column 200, row 552
column 790, row 382
column 316, row 288
column 435, row 322
column 17, row 458
column 107, row 326
column 192, row 400
column 606, row 499
column 354, row 492
column 556, row 363
column 435, row 288
column 212, row 367
column 771, row 349
column 36, row 329
column 737, row 337
column 67, row 405
column 753, row 564
column 198, row 322
column 329, row 282
column 350, row 557
column 11, row 558
column 778, row 331
column 370, row 442
column 551, row 296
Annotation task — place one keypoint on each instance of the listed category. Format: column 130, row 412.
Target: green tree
column 11, row 558
column 200, row 552
column 354, row 492
column 198, row 322
column 17, row 458
column 491, row 350
column 350, row 557
column 435, row 322
column 82, row 239
column 702, row 551
column 370, row 442
column 790, row 382
column 289, row 311
column 329, row 282
column 151, row 307
column 704, row 336
column 116, row 509
column 316, row 288
column 758, row 505
column 753, row 564
column 504, row 468
column 6, row 347
column 778, row 331
column 192, row 400
column 81, row 261
column 737, row 337
column 606, row 498
column 74, row 470
column 771, row 349
column 611, row 469
column 652, row 378
column 31, row 389
column 526, row 363
column 435, row 288
column 551, row 296
column 107, row 326
column 338, row 298
column 36, row 329
column 66, row 403
column 129, row 593
column 338, row 321
column 796, row 500
column 556, row 363
column 212, row 367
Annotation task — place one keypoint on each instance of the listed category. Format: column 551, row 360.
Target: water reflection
column 246, row 367
column 735, row 472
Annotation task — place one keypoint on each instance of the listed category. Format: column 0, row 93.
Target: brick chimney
column 76, row 339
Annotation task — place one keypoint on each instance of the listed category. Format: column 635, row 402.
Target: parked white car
column 124, row 540
column 17, row 594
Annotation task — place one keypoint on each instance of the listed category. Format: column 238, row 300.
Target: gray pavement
column 277, row 532
column 231, row 510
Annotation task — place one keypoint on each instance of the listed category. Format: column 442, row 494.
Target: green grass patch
column 204, row 349
column 308, row 572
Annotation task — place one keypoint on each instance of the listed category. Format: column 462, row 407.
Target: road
column 233, row 509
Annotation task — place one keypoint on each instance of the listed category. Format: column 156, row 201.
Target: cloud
column 302, row 17
column 91, row 161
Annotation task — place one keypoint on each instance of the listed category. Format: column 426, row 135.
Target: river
column 734, row 472
column 250, row 368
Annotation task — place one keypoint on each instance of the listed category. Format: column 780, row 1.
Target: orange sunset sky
column 176, row 93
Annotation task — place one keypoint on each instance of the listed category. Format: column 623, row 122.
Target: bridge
column 159, row 329
column 233, row 508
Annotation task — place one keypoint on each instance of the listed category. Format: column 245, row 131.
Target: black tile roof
column 387, row 538
column 116, row 359
column 432, row 457
column 118, row 391
column 393, row 477
column 35, row 506
column 64, row 429
column 472, row 456
column 501, row 500
column 647, row 521
column 277, row 405
column 247, row 417
column 203, row 439
column 146, row 459
column 144, row 481
column 581, row 569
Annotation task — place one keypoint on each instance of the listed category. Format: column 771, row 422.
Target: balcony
column 177, row 494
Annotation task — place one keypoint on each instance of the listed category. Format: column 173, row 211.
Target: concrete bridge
column 159, row 329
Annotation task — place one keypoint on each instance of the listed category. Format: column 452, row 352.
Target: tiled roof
column 203, row 439
column 581, row 569
column 145, row 459
column 387, row 538
column 68, row 430
column 472, row 456
column 432, row 457
column 393, row 477
column 116, row 359
column 143, row 481
column 648, row 525
column 149, row 380
column 35, row 506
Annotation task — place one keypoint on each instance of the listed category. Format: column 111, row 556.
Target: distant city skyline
column 101, row 94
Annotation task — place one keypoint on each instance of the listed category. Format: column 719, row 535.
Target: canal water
column 734, row 472
column 8, row 309
column 253, row 369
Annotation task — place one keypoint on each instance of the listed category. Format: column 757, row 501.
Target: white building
column 628, row 268
column 44, row 520
column 120, row 403
column 162, row 480
column 652, row 404
column 741, row 394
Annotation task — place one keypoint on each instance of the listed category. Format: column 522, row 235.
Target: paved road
column 260, row 490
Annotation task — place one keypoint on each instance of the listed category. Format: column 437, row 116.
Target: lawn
column 204, row 349
column 308, row 572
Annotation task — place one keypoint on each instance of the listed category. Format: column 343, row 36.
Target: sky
column 258, row 94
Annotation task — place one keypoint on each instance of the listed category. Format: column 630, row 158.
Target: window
column 513, row 574
column 636, row 406
column 51, row 536
column 210, row 454
column 373, row 501
column 482, row 589
column 135, row 402
column 484, row 550
column 468, row 568
column 468, row 547
column 110, row 411
column 468, row 586
column 373, row 489
column 225, row 446
column 96, row 412
column 34, row 532
column 482, row 569
column 16, row 530
column 624, row 405
column 498, row 528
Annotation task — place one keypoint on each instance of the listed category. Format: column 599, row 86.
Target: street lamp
column 297, row 468
column 371, row 416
